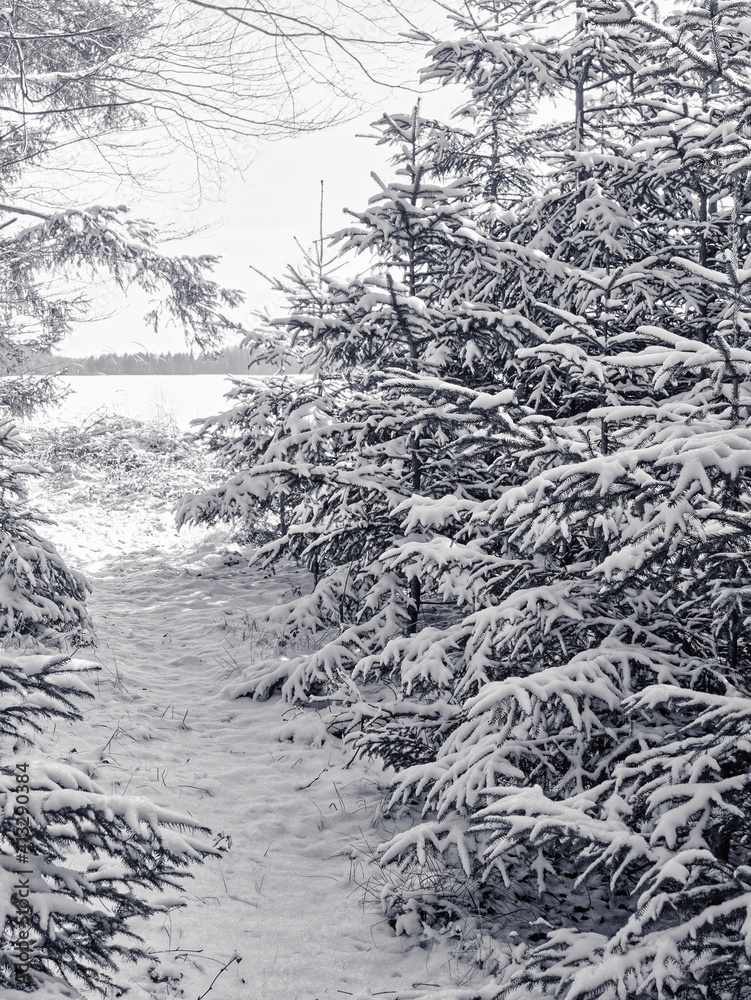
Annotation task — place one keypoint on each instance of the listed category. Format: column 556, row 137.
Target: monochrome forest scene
column 375, row 500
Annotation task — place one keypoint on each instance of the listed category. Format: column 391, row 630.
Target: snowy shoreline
column 174, row 399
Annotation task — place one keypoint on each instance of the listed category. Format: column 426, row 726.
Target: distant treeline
column 232, row 361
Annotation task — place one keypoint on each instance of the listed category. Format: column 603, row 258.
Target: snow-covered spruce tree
column 76, row 864
column 409, row 362
column 607, row 762
column 39, row 595
column 279, row 425
column 584, row 756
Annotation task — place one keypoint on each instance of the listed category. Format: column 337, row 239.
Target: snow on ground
column 176, row 617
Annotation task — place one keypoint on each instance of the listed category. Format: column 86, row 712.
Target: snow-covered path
column 175, row 619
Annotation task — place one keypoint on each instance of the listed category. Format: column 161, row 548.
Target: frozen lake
column 181, row 398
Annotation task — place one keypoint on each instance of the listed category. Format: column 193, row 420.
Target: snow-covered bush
column 77, row 866
column 118, row 459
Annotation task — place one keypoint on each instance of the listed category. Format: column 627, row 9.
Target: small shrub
column 118, row 456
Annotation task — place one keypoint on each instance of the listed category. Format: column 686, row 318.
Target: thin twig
column 235, row 958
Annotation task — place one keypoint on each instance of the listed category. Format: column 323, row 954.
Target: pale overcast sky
column 256, row 218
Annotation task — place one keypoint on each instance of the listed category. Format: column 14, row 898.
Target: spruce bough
column 75, row 863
